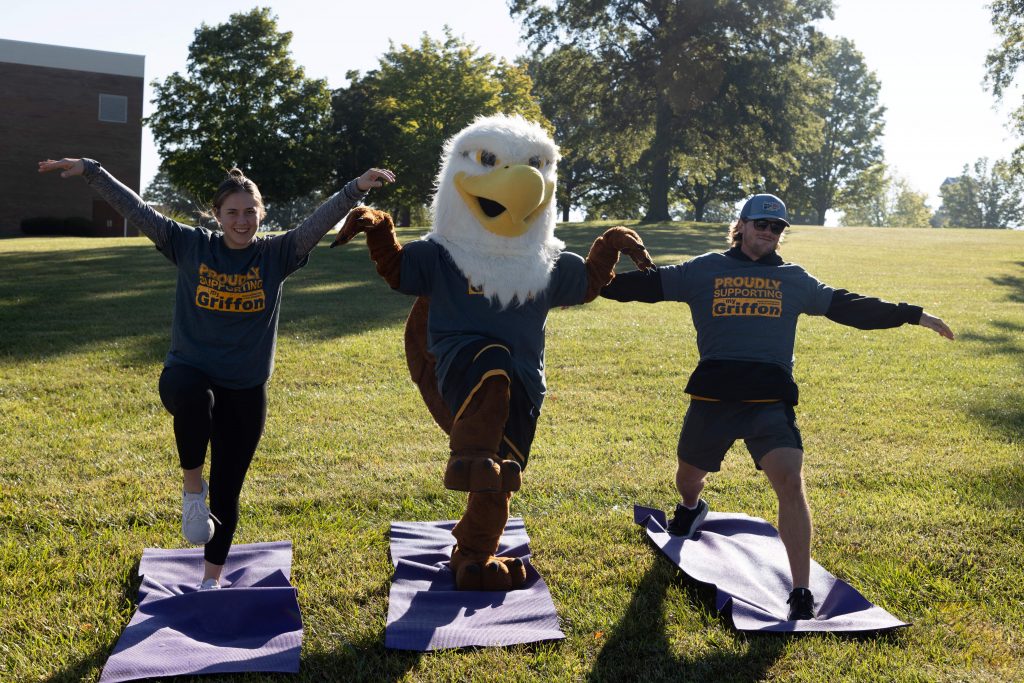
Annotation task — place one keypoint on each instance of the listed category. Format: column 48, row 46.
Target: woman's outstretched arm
column 153, row 224
column 330, row 213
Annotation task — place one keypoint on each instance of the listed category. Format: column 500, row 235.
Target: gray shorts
column 711, row 427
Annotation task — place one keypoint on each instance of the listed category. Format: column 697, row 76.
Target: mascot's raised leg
column 477, row 535
column 481, row 410
column 474, row 464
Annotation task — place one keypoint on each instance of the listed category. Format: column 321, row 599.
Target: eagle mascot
column 486, row 276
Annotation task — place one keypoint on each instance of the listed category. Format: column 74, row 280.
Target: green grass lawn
column 914, row 465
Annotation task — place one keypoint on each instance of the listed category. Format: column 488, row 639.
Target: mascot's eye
column 486, row 158
column 537, row 163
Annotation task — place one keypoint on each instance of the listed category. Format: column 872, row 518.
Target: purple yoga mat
column 425, row 612
column 251, row 624
column 744, row 559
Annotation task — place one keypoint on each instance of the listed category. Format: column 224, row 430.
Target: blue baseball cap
column 764, row 206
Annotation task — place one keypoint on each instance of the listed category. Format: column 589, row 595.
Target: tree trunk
column 824, row 194
column 660, row 150
column 820, row 207
column 567, row 188
column 404, row 216
column 698, row 210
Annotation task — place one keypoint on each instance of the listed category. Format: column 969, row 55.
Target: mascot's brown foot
column 481, row 472
column 494, row 574
column 511, row 476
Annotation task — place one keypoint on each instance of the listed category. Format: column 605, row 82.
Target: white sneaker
column 196, row 524
column 210, row 585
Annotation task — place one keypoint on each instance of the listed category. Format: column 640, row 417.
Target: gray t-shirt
column 227, row 302
column 460, row 315
column 743, row 310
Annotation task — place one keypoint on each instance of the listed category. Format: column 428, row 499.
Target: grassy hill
column 914, row 464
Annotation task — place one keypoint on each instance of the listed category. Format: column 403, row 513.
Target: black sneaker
column 685, row 522
column 801, row 604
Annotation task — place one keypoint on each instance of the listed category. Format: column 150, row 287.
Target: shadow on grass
column 70, row 300
column 94, row 661
column 1002, row 411
column 60, row 301
column 997, row 488
column 639, row 650
column 1014, row 283
column 1005, row 411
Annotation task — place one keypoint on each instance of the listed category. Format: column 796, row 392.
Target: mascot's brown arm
column 604, row 254
column 385, row 251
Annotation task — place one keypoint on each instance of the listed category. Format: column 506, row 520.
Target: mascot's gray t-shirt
column 227, row 302
column 460, row 315
column 743, row 310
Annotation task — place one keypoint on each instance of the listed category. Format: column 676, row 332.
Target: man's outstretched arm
column 871, row 313
column 937, row 324
column 636, row 285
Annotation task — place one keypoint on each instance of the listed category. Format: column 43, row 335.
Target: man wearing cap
column 745, row 303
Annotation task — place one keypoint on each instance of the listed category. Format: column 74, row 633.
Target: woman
column 223, row 333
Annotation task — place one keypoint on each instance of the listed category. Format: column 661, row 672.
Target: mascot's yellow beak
column 506, row 200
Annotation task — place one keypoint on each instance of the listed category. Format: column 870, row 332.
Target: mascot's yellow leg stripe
column 490, row 346
column 515, row 451
column 487, row 375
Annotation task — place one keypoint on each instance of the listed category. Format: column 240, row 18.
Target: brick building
column 64, row 101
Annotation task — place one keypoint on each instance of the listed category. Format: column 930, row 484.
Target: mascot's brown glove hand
column 628, row 242
column 604, row 254
column 362, row 219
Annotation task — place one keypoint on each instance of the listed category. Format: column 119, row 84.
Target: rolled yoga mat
column 745, row 560
column 251, row 624
column 425, row 612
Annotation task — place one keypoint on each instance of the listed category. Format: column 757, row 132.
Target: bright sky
column 928, row 54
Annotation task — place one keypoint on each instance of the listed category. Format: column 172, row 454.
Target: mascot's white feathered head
column 494, row 208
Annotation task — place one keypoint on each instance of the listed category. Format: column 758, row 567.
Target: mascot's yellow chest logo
column 506, row 200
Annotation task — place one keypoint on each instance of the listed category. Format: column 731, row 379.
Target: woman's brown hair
column 235, row 182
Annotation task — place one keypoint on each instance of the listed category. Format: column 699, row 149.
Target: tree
column 572, row 88
column 564, row 83
column 887, row 201
column 287, row 214
column 846, row 100
column 871, row 208
column 672, row 62
column 985, row 198
column 714, row 165
column 243, row 103
column 161, row 190
column 1002, row 63
column 417, row 98
column 909, row 207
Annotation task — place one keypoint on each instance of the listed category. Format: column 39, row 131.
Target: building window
column 113, row 108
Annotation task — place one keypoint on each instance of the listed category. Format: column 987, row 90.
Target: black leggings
column 231, row 421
